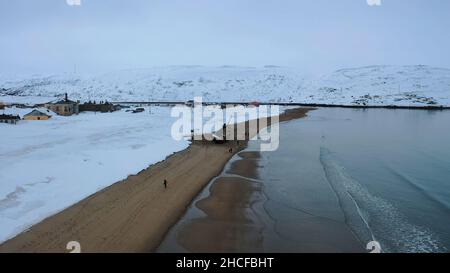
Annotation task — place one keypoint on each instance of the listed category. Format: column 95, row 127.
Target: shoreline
column 231, row 216
column 229, row 221
column 300, row 104
column 134, row 214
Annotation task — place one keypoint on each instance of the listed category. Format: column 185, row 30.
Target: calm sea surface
column 384, row 174
column 388, row 171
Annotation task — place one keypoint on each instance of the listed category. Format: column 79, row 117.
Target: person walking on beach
column 165, row 184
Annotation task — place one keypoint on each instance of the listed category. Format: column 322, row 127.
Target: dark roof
column 9, row 117
column 65, row 102
column 36, row 113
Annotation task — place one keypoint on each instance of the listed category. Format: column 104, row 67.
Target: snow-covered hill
column 373, row 85
column 384, row 85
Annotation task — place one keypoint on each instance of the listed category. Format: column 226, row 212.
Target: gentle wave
column 410, row 181
column 385, row 222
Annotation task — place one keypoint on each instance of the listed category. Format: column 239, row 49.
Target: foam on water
column 378, row 218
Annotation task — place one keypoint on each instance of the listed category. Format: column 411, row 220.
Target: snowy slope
column 384, row 85
column 374, row 85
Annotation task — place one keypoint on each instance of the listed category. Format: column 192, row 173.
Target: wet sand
column 227, row 227
column 133, row 215
column 235, row 220
column 246, row 167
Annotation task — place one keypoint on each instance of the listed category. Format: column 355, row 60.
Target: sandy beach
column 134, row 214
column 230, row 224
column 235, row 220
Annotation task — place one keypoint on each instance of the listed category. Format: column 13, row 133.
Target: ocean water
column 384, row 173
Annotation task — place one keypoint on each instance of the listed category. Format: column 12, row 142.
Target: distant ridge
column 377, row 85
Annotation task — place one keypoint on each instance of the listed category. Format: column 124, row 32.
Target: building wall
column 104, row 108
column 64, row 109
column 36, row 118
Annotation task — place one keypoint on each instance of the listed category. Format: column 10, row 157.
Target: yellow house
column 36, row 115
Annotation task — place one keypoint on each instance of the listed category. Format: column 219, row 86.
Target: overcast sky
column 316, row 35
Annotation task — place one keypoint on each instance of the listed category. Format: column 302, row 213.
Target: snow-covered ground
column 30, row 100
column 384, row 85
column 372, row 85
column 46, row 166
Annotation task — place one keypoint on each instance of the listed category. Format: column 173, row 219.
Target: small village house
column 11, row 119
column 102, row 107
column 64, row 107
column 36, row 115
